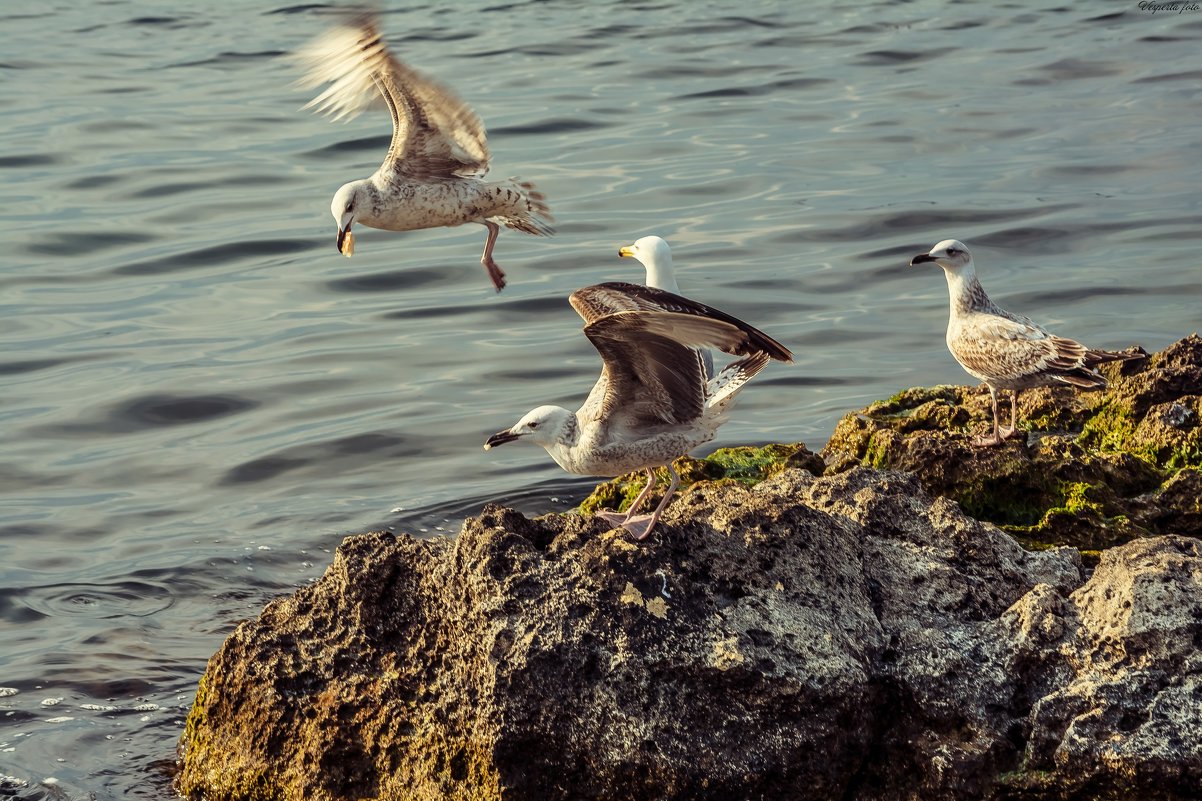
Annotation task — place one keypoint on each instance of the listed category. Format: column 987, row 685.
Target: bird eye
column 954, row 251
column 350, row 206
column 533, row 425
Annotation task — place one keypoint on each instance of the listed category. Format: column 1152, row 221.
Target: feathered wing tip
column 537, row 218
column 343, row 57
column 1095, row 357
column 727, row 383
column 1082, row 378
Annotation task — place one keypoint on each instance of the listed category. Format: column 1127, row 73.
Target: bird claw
column 495, row 274
column 640, row 526
column 615, row 519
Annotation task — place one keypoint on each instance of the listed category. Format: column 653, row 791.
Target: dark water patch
column 1111, row 17
column 811, row 380
column 372, row 144
column 502, row 377
column 554, row 125
column 153, row 411
column 1193, row 76
column 1065, row 297
column 154, row 21
column 670, row 71
column 435, row 35
column 350, row 453
column 392, row 281
column 300, row 9
column 1068, row 69
column 964, row 24
column 149, row 412
column 875, row 58
column 216, row 255
column 116, row 125
column 167, row 190
column 14, row 610
column 95, row 182
column 1037, row 239
column 28, row 365
column 29, row 160
column 75, row 244
column 789, row 84
column 911, row 222
column 230, row 58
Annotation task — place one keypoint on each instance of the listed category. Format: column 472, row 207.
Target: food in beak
column 346, row 243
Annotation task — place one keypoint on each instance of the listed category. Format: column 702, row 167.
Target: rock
column 748, row 464
column 848, row 636
column 1095, row 469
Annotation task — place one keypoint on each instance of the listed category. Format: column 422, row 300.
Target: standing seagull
column 652, row 402
column 431, row 175
column 1007, row 351
column 654, row 254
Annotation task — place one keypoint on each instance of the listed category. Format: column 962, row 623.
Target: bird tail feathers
column 533, row 215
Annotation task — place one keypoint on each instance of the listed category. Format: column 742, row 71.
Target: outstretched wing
column 593, row 303
column 648, row 341
column 434, row 133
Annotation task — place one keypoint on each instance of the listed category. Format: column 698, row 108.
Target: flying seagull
column 1008, row 351
column 654, row 254
column 432, row 174
column 652, row 402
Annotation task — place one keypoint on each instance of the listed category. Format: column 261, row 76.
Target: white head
column 654, row 254
column 546, row 426
column 950, row 254
column 349, row 201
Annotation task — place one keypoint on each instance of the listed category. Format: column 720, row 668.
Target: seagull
column 431, row 176
column 1008, row 351
column 654, row 254
column 652, row 402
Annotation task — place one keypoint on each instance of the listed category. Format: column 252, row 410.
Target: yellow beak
column 626, row 251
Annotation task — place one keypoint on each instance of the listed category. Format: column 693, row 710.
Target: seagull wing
column 1015, row 348
column 434, row 133
column 648, row 341
column 595, row 302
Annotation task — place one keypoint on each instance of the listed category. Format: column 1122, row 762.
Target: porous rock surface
column 845, row 637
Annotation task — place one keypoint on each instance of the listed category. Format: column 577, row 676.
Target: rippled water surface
column 201, row 397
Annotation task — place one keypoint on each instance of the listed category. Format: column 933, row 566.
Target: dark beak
column 500, row 438
column 922, row 258
column 345, row 241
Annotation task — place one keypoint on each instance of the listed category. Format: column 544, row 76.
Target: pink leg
column 494, row 272
column 1013, row 431
column 641, row 526
column 985, row 442
column 618, row 518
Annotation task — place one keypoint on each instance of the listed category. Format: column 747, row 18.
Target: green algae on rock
column 1092, row 473
column 746, row 464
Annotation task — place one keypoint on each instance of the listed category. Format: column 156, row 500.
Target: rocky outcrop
column 848, row 636
column 1096, row 469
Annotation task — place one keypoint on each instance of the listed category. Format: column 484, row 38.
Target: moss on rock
column 746, row 464
column 1093, row 471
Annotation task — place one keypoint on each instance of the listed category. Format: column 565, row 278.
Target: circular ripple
column 99, row 601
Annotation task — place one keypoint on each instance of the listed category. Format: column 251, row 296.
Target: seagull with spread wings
column 431, row 176
column 653, row 401
column 654, row 254
column 1008, row 351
